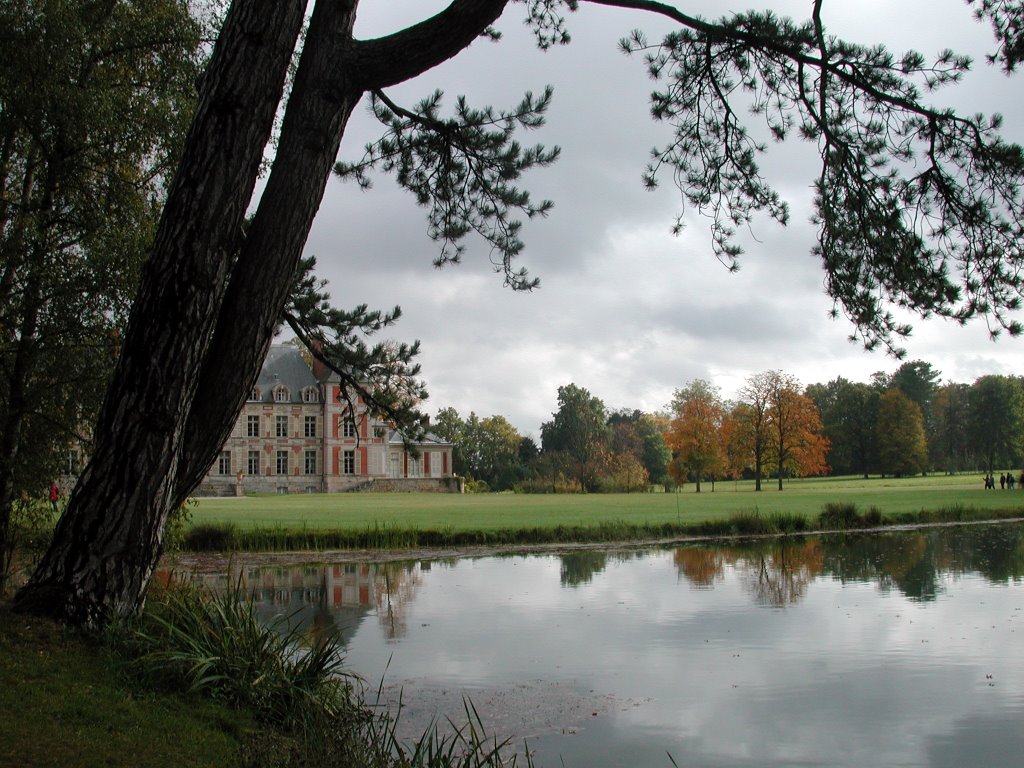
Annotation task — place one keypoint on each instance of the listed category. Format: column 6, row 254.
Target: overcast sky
column 626, row 309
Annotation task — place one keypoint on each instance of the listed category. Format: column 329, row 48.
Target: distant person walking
column 54, row 495
column 1002, row 482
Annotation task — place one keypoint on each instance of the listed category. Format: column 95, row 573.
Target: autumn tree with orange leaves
column 779, row 427
column 796, row 445
column 695, row 434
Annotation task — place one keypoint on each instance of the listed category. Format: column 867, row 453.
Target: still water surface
column 894, row 649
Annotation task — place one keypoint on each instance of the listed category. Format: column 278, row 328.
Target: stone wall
column 412, row 485
column 229, row 486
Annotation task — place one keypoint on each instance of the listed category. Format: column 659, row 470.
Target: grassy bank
column 68, row 702
column 439, row 520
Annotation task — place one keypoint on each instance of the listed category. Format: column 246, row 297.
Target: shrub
column 873, row 517
column 784, row 522
column 542, row 485
column 211, row 537
column 31, row 528
column 839, row 515
column 216, row 644
column 751, row 523
column 177, row 525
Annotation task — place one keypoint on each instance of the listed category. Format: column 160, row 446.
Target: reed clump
column 316, row 713
column 843, row 516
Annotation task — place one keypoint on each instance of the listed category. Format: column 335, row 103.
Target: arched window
column 310, row 395
column 281, row 394
column 255, row 394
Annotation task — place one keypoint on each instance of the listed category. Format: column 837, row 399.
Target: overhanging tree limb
column 393, row 59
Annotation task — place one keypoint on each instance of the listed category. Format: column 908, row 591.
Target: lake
column 881, row 649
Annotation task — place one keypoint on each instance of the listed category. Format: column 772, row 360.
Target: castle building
column 298, row 434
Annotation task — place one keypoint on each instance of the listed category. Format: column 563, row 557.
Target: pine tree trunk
column 321, row 102
column 107, row 543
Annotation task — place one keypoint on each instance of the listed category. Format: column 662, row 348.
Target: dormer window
column 255, row 394
column 310, row 395
column 281, row 394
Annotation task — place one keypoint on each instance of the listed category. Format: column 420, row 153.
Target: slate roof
column 284, row 365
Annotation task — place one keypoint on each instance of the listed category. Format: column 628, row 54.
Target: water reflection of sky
column 745, row 657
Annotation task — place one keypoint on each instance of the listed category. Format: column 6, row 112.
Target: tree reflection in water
column 777, row 572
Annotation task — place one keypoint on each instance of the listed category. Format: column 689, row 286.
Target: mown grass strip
column 228, row 537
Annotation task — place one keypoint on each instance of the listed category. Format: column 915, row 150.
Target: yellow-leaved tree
column 902, row 447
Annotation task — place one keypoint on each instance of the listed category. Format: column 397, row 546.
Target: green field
column 491, row 512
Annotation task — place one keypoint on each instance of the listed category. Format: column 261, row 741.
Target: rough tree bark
column 209, row 300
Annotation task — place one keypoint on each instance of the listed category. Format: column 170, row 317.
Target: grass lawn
column 66, row 703
column 490, row 512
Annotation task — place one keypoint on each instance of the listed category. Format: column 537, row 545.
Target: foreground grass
column 411, row 520
column 66, row 702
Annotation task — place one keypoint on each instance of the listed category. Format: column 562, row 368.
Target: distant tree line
column 910, row 422
column 585, row 447
column 898, row 424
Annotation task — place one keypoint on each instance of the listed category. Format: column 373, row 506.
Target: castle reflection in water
column 324, row 600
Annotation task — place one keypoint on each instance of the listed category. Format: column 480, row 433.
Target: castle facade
column 298, row 434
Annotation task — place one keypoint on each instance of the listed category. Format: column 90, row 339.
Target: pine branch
column 916, row 206
column 462, row 169
column 383, row 375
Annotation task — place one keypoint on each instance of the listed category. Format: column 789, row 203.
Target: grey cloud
column 624, row 308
